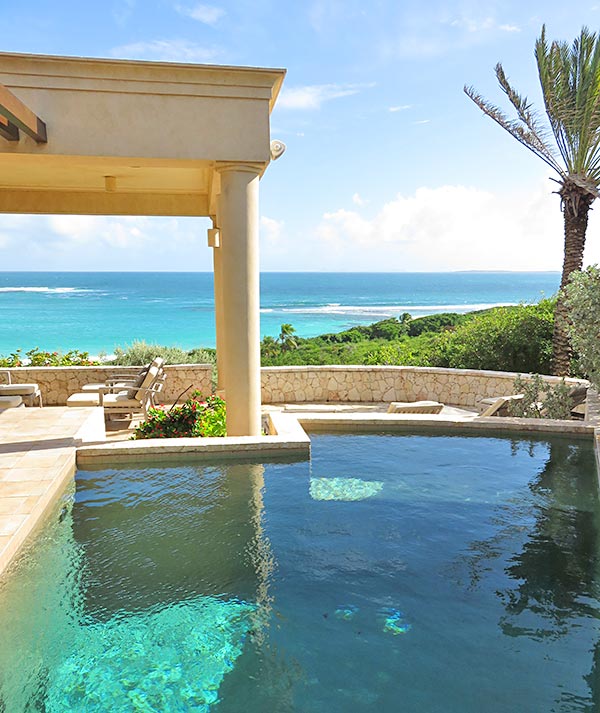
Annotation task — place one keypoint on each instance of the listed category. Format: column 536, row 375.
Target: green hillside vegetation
column 503, row 338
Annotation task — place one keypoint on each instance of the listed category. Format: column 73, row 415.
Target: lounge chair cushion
column 83, row 399
column 431, row 407
column 121, row 401
column 18, row 389
column 10, row 402
column 153, row 372
column 138, row 382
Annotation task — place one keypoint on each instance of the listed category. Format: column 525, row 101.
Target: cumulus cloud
column 207, row 14
column 176, row 50
column 452, row 228
column 482, row 24
column 60, row 242
column 271, row 229
column 312, row 96
column 435, row 31
column 358, row 200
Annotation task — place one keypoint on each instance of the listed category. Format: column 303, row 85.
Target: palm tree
column 287, row 338
column 269, row 347
column 570, row 81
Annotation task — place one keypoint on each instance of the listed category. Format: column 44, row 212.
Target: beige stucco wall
column 108, row 107
column 57, row 383
column 460, row 387
column 157, row 128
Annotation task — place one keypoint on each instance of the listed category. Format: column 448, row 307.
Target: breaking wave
column 49, row 290
column 386, row 310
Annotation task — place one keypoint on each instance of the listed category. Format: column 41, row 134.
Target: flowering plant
column 37, row 357
column 196, row 417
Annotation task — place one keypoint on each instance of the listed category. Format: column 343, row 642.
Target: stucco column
column 238, row 217
column 219, row 312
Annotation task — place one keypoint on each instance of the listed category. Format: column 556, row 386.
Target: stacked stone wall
column 460, row 387
column 57, row 383
column 299, row 384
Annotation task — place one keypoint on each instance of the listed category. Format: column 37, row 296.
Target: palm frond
column 570, row 81
column 523, row 134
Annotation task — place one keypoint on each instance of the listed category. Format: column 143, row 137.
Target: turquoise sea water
column 98, row 311
column 437, row 574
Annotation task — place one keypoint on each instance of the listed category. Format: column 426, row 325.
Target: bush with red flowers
column 197, row 417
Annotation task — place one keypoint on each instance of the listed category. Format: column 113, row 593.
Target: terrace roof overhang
column 115, row 137
column 112, row 137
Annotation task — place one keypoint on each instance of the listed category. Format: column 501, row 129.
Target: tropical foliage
column 141, row 352
column 570, row 81
column 197, row 417
column 504, row 338
column 583, row 305
column 37, row 357
column 540, row 399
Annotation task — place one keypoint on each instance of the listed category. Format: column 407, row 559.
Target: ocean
column 97, row 311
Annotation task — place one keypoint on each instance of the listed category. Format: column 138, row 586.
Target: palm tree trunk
column 575, row 226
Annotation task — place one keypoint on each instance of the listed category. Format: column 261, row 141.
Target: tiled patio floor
column 37, row 458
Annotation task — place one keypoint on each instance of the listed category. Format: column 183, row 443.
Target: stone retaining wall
column 57, row 383
column 299, row 384
column 460, row 387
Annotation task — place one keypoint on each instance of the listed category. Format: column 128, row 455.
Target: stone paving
column 37, row 458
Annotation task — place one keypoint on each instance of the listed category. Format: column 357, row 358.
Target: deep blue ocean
column 97, row 311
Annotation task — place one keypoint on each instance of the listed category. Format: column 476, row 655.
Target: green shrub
column 436, row 323
column 36, row 357
column 583, row 305
column 540, row 399
column 140, row 352
column 503, row 339
column 194, row 418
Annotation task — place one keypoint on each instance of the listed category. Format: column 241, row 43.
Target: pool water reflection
column 392, row 572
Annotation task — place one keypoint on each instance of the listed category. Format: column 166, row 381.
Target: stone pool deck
column 37, row 459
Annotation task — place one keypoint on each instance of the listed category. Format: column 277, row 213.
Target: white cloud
column 312, row 96
column 208, row 14
column 61, row 242
column 400, row 107
column 166, row 51
column 422, row 121
column 484, row 24
column 450, row 228
column 358, row 200
column 271, row 229
column 122, row 11
column 434, row 31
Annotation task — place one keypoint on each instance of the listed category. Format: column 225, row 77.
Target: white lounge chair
column 431, row 407
column 27, row 392
column 122, row 381
column 499, row 406
column 117, row 400
column 7, row 402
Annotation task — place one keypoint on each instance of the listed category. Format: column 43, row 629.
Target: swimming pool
column 391, row 573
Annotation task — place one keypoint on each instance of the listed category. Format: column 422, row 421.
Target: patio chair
column 122, row 381
column 127, row 401
column 498, row 406
column 27, row 392
column 7, row 402
column 430, row 407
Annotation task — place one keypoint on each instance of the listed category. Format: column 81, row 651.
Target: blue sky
column 389, row 165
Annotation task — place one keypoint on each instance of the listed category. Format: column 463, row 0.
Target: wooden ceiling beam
column 8, row 131
column 20, row 116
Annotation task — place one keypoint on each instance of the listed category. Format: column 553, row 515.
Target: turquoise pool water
column 391, row 573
